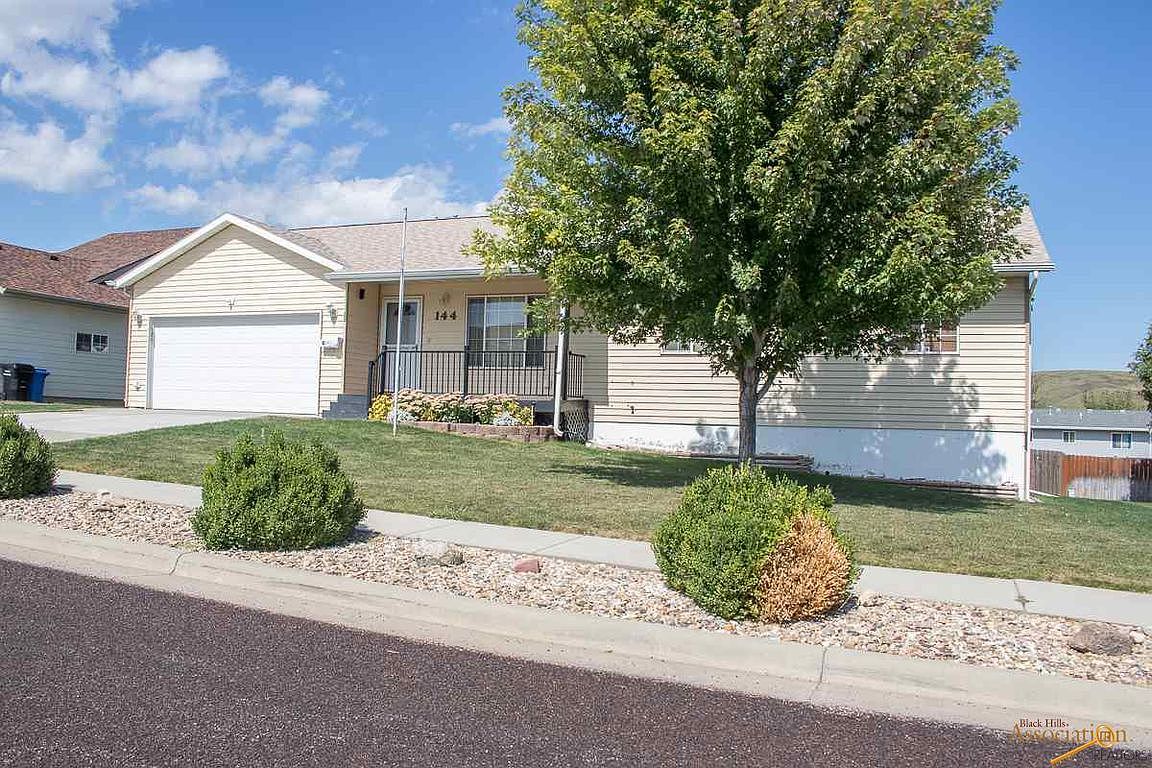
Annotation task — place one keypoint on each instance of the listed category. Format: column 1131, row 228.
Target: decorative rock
column 868, row 598
column 451, row 558
column 431, row 549
column 966, row 634
column 1138, row 637
column 1096, row 638
column 528, row 565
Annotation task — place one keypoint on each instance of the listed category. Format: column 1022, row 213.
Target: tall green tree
column 1142, row 366
column 766, row 179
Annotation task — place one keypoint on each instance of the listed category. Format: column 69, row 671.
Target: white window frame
column 477, row 354
column 684, row 348
column 1068, row 436
column 922, row 346
column 92, row 350
column 1122, row 441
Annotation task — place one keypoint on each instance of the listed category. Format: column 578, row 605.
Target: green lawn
column 562, row 486
column 20, row 406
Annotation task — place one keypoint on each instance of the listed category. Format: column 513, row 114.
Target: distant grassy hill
column 1066, row 389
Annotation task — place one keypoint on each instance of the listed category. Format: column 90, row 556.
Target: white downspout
column 1035, row 279
column 561, row 366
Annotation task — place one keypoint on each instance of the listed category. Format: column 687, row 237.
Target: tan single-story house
column 58, row 313
column 241, row 316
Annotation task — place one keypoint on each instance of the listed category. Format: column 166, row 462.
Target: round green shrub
column 714, row 547
column 276, row 494
column 26, row 464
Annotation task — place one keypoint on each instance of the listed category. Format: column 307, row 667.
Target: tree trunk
column 749, row 398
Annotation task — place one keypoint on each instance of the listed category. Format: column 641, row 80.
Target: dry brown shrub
column 806, row 575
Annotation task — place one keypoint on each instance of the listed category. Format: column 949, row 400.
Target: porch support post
column 559, row 392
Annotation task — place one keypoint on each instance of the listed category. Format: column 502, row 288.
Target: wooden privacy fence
column 1092, row 477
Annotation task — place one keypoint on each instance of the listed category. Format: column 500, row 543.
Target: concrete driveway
column 62, row 426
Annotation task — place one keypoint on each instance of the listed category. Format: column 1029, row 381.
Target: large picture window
column 500, row 333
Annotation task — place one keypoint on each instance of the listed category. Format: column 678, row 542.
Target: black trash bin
column 16, row 380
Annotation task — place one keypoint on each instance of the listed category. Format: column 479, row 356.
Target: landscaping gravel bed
column 982, row 636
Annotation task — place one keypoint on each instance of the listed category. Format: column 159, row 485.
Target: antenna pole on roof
column 399, row 323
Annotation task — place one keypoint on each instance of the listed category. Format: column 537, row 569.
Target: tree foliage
column 1142, row 366
column 769, row 179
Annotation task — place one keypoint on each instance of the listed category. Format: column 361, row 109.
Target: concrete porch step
column 347, row 407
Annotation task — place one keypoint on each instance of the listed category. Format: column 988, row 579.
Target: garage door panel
column 265, row 363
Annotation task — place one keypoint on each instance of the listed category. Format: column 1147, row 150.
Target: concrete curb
column 831, row 677
column 1040, row 597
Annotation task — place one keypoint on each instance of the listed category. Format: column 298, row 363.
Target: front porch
column 462, row 334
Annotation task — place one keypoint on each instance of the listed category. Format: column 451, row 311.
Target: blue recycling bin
column 36, row 388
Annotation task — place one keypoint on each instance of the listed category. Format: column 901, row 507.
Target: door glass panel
column 410, row 330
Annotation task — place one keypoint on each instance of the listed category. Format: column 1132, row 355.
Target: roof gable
column 291, row 241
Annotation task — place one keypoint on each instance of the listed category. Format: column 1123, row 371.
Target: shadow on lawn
column 638, row 470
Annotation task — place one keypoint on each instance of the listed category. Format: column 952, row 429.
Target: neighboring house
column 1122, row 434
column 57, row 313
column 241, row 316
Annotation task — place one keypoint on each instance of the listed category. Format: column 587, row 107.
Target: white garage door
column 267, row 363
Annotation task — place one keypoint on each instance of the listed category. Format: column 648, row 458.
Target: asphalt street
column 96, row 673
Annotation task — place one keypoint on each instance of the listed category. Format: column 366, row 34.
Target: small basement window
column 1121, row 440
column 681, row 347
column 1069, row 437
column 96, row 343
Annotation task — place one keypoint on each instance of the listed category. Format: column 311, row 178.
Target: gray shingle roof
column 433, row 244
column 1028, row 233
column 438, row 244
column 1091, row 419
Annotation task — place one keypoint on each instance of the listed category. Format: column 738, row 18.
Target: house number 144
column 446, row 314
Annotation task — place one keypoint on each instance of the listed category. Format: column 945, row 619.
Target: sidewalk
column 1041, row 597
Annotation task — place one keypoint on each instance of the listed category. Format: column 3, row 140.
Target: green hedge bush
column 276, row 494
column 26, row 463
column 716, row 545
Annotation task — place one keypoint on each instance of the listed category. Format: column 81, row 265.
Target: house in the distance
column 1119, row 434
column 56, row 312
column 241, row 316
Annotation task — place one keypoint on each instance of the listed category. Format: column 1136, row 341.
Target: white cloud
column 226, row 151
column 371, row 127
column 81, row 85
column 80, row 24
column 343, row 158
column 174, row 81
column 424, row 190
column 300, row 102
column 46, row 159
column 497, row 126
column 178, row 199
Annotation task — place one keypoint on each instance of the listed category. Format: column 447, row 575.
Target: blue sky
column 118, row 115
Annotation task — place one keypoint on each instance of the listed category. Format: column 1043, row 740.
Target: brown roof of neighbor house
column 73, row 274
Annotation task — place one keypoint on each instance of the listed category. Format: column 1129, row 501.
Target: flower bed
column 412, row 405
column 980, row 636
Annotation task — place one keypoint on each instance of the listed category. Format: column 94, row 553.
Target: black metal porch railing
column 529, row 375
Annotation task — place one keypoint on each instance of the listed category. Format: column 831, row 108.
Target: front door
column 411, row 331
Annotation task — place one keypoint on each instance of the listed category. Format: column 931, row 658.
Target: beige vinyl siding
column 43, row 333
column 984, row 385
column 235, row 273
column 448, row 297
